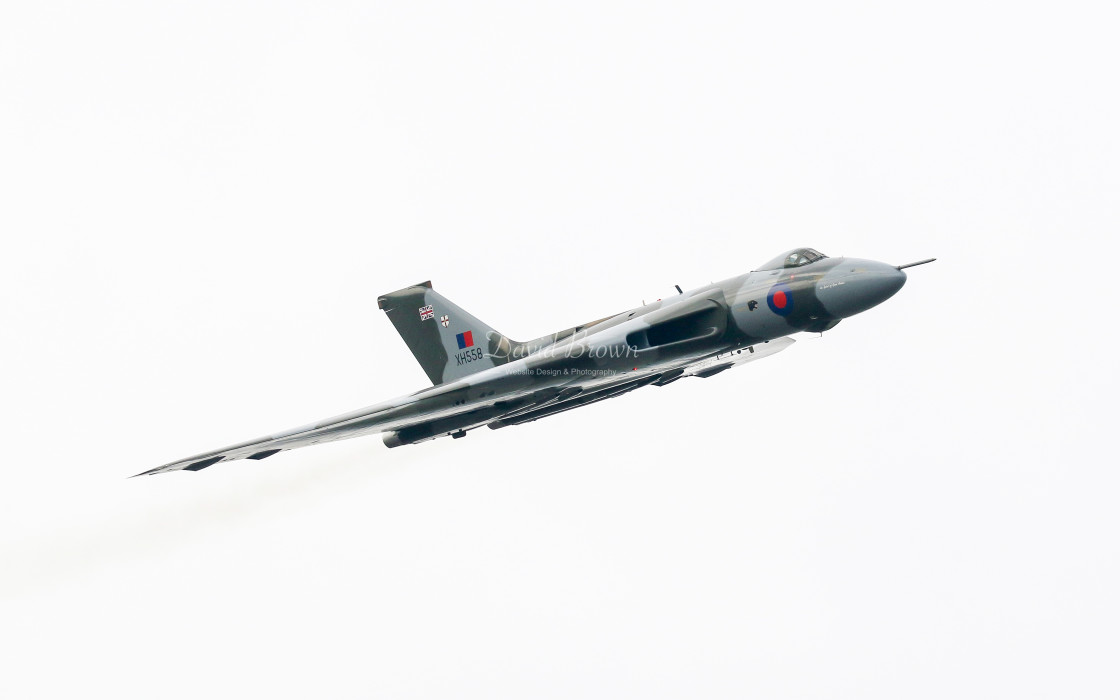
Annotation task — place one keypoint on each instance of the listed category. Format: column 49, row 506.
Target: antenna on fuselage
column 678, row 289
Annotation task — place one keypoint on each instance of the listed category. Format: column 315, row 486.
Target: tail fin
column 448, row 342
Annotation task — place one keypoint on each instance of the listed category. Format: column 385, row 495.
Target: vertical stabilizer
column 448, row 342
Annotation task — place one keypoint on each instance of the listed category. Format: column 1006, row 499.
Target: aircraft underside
column 548, row 402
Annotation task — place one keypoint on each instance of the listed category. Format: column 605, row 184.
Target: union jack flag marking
column 426, row 312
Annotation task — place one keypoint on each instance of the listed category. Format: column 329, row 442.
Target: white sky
column 200, row 202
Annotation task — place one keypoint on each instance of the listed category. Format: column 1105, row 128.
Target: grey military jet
column 483, row 378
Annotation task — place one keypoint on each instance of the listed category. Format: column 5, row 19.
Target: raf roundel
column 780, row 299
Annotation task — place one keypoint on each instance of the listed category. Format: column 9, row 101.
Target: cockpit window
column 794, row 258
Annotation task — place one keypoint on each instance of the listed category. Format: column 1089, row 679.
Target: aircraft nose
column 857, row 285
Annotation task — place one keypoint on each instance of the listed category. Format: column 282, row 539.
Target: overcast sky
column 200, row 202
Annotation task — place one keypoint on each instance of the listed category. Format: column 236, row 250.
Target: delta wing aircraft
column 483, row 378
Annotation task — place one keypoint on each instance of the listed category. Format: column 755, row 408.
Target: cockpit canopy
column 794, row 258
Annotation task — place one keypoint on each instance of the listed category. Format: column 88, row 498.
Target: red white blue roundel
column 780, row 299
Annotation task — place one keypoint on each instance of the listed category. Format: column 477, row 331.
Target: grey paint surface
column 481, row 377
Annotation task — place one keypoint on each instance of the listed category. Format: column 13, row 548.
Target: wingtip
column 195, row 466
